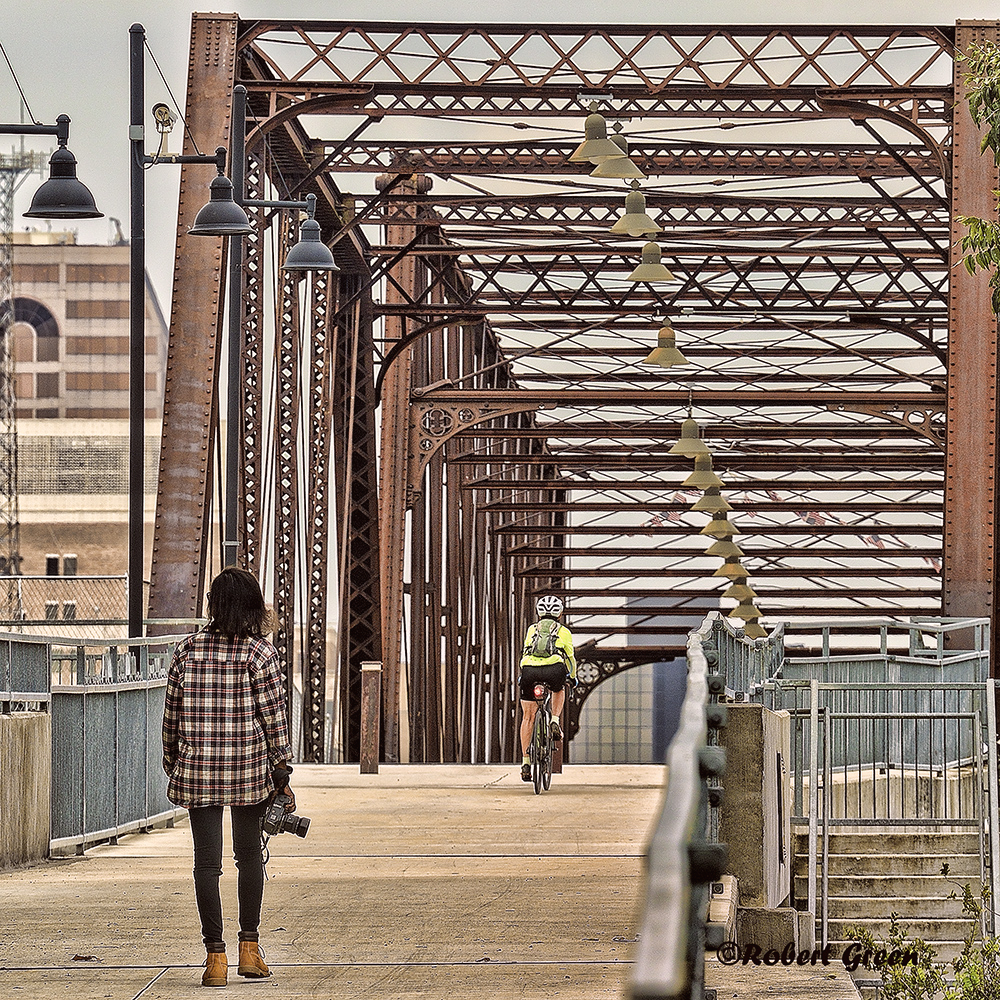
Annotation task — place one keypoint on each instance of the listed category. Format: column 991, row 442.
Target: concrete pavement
column 421, row 881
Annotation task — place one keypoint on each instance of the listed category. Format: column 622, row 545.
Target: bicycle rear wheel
column 549, row 751
column 539, row 743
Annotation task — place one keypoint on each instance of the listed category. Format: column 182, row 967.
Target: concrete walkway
column 421, row 881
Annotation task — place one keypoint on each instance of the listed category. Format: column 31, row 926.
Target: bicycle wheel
column 539, row 742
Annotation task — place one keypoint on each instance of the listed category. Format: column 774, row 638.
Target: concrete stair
column 876, row 872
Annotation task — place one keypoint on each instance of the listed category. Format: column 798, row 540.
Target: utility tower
column 14, row 167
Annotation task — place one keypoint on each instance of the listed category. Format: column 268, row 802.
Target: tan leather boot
column 251, row 961
column 216, row 969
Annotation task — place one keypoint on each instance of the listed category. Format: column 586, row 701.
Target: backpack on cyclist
column 543, row 643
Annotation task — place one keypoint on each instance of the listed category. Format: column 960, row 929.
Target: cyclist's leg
column 529, row 710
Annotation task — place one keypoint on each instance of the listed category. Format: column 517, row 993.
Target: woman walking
column 225, row 743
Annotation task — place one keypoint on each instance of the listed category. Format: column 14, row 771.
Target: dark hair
column 236, row 605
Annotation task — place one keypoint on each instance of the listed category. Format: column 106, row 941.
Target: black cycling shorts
column 553, row 674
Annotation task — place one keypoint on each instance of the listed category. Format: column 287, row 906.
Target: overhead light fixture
column 635, row 222
column 650, row 268
column 719, row 527
column 703, row 476
column 620, row 166
column 724, row 548
column 740, row 591
column 712, row 501
column 731, row 569
column 754, row 631
column 596, row 146
column 690, row 443
column 665, row 354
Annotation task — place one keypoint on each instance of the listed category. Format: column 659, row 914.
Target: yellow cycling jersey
column 564, row 650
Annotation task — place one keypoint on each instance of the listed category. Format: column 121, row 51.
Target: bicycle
column 542, row 745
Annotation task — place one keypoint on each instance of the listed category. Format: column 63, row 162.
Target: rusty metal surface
column 970, row 482
column 523, row 440
column 183, row 507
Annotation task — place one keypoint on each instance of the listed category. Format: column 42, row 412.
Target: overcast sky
column 71, row 56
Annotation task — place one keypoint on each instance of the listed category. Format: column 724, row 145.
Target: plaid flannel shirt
column 224, row 724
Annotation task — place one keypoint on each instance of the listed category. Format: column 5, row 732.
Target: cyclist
column 547, row 656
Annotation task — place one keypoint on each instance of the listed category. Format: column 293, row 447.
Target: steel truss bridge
column 461, row 419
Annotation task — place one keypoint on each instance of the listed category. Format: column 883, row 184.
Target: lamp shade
column 665, row 354
column 719, row 527
column 62, row 196
column 650, row 268
column 712, row 501
column 635, row 222
column 596, row 146
column 221, row 216
column 310, row 253
column 618, row 166
column 745, row 611
column 724, row 547
column 690, row 443
column 703, row 476
column 740, row 591
column 754, row 631
column 731, row 569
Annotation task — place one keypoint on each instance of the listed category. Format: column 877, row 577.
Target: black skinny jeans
column 206, row 831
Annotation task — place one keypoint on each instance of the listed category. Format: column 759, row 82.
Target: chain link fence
column 72, row 607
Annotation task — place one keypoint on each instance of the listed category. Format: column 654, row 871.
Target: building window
column 97, row 308
column 34, row 315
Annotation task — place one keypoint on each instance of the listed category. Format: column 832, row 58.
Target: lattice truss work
column 802, row 181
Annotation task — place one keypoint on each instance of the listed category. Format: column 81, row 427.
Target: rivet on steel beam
column 716, row 716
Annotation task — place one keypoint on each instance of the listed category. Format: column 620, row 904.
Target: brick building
column 71, row 362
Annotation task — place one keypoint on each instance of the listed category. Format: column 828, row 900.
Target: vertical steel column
column 286, row 431
column 322, row 352
column 970, row 508
column 393, row 472
column 356, row 478
column 183, row 500
column 10, row 548
column 252, row 376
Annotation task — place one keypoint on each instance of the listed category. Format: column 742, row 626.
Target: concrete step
column 908, row 907
column 891, row 842
column 885, row 886
column 942, row 931
column 962, row 866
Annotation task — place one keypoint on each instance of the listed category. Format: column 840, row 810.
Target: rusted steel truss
column 485, row 305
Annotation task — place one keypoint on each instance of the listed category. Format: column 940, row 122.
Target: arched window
column 35, row 315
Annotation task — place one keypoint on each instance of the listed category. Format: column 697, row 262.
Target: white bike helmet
column 549, row 605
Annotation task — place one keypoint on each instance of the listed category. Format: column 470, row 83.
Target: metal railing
column 106, row 702
column 682, row 857
column 898, row 733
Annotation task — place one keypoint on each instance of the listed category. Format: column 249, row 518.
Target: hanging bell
column 635, row 222
column 754, row 631
column 740, row 591
column 703, row 476
column 712, row 501
column 731, row 569
column 665, row 354
column 620, row 165
column 596, row 146
column 650, row 269
column 719, row 527
column 724, row 548
column 690, row 443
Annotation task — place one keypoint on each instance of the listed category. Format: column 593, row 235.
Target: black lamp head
column 62, row 196
column 221, row 216
column 310, row 253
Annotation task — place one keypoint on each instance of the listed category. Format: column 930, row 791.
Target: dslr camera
column 276, row 820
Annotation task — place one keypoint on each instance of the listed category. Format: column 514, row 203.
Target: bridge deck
column 421, row 881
